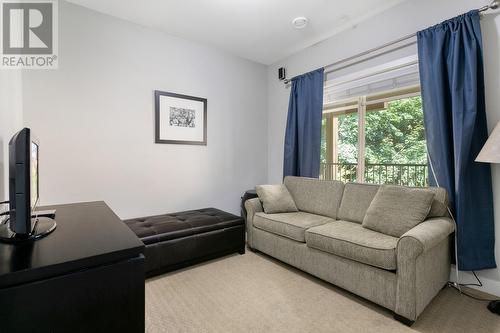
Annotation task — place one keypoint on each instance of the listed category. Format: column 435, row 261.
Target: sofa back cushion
column 397, row 209
column 315, row 196
column 356, row 199
column 439, row 206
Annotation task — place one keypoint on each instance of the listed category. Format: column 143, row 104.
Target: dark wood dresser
column 86, row 276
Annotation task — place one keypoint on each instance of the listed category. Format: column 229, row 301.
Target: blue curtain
column 303, row 126
column 452, row 80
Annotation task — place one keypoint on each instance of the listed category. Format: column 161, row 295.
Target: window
column 375, row 138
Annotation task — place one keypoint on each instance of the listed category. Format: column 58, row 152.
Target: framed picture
column 180, row 119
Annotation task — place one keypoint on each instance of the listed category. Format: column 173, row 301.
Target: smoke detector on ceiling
column 300, row 22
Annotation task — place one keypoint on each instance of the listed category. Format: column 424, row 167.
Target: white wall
column 11, row 121
column 401, row 20
column 94, row 117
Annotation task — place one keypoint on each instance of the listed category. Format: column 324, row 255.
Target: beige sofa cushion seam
column 346, row 241
column 355, row 260
column 278, row 221
column 292, row 225
column 279, row 234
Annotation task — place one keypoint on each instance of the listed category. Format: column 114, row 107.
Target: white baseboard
column 489, row 286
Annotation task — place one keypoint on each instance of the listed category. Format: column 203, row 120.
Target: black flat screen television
column 23, row 181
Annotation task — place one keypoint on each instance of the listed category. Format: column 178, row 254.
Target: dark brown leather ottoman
column 181, row 239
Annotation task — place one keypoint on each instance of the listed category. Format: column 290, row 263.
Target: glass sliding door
column 395, row 148
column 376, row 138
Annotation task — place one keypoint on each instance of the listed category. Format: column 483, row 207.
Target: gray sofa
column 326, row 239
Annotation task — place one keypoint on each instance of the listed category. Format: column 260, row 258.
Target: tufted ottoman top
column 153, row 229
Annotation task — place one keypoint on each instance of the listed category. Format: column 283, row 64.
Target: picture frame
column 180, row 119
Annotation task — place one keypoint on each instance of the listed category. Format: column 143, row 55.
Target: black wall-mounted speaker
column 282, row 73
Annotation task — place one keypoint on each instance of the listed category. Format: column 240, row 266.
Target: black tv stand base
column 43, row 227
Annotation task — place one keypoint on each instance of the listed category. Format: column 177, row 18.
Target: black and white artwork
column 180, row 119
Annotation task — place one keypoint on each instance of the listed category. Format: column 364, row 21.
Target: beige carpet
column 255, row 293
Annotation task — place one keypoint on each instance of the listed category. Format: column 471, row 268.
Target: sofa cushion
column 275, row 199
column 356, row 199
column 397, row 209
column 350, row 240
column 439, row 207
column 290, row 225
column 315, row 196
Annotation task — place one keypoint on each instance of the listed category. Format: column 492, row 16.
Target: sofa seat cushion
column 290, row 225
column 350, row 240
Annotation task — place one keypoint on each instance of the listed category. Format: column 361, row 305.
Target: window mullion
column 361, row 138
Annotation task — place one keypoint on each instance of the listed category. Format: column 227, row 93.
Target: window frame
column 359, row 105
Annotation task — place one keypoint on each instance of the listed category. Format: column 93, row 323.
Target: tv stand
column 42, row 227
column 87, row 276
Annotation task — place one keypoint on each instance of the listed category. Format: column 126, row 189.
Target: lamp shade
column 490, row 153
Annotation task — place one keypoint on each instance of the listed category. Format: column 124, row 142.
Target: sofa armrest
column 252, row 206
column 424, row 236
column 423, row 265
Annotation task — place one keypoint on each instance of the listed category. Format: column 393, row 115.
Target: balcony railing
column 396, row 174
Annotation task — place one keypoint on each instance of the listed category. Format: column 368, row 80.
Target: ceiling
column 259, row 30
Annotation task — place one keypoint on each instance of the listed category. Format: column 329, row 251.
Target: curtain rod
column 328, row 69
